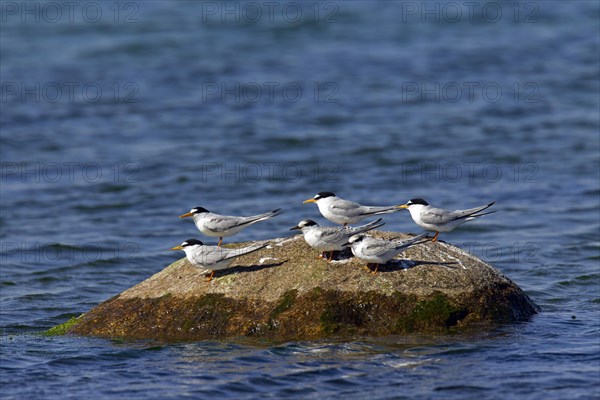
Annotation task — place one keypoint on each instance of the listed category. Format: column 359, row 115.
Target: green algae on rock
column 284, row 292
column 62, row 329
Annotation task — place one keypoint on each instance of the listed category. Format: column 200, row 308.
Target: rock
column 284, row 292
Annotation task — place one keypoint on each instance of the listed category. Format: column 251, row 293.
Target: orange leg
column 376, row 267
column 211, row 276
column 220, row 241
column 330, row 256
column 368, row 267
column 435, row 237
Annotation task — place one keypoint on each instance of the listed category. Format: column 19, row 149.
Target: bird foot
column 372, row 271
column 330, row 256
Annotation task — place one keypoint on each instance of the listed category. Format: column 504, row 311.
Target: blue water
column 118, row 117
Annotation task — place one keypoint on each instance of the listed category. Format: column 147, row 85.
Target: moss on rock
column 434, row 313
column 287, row 301
column 62, row 329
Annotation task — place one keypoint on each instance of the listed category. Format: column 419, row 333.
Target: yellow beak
column 186, row 215
column 402, row 206
column 176, row 248
column 309, row 201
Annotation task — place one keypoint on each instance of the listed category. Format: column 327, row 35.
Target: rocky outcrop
column 284, row 292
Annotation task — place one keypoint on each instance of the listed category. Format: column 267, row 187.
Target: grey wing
column 437, row 216
column 367, row 227
column 258, row 217
column 408, row 242
column 233, row 253
column 471, row 211
column 366, row 210
column 334, row 234
column 441, row 216
column 345, row 207
column 377, row 247
column 216, row 222
column 210, row 255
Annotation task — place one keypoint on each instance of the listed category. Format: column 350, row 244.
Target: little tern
column 212, row 224
column 344, row 212
column 379, row 251
column 213, row 258
column 438, row 219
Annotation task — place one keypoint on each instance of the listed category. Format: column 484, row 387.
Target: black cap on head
column 199, row 210
column 307, row 222
column 322, row 195
column 417, row 201
column 191, row 242
column 303, row 224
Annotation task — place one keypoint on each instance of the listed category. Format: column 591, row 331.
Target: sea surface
column 117, row 117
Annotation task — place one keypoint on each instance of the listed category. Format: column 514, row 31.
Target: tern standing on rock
column 438, row 219
column 213, row 258
column 212, row 224
column 345, row 212
column 379, row 251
